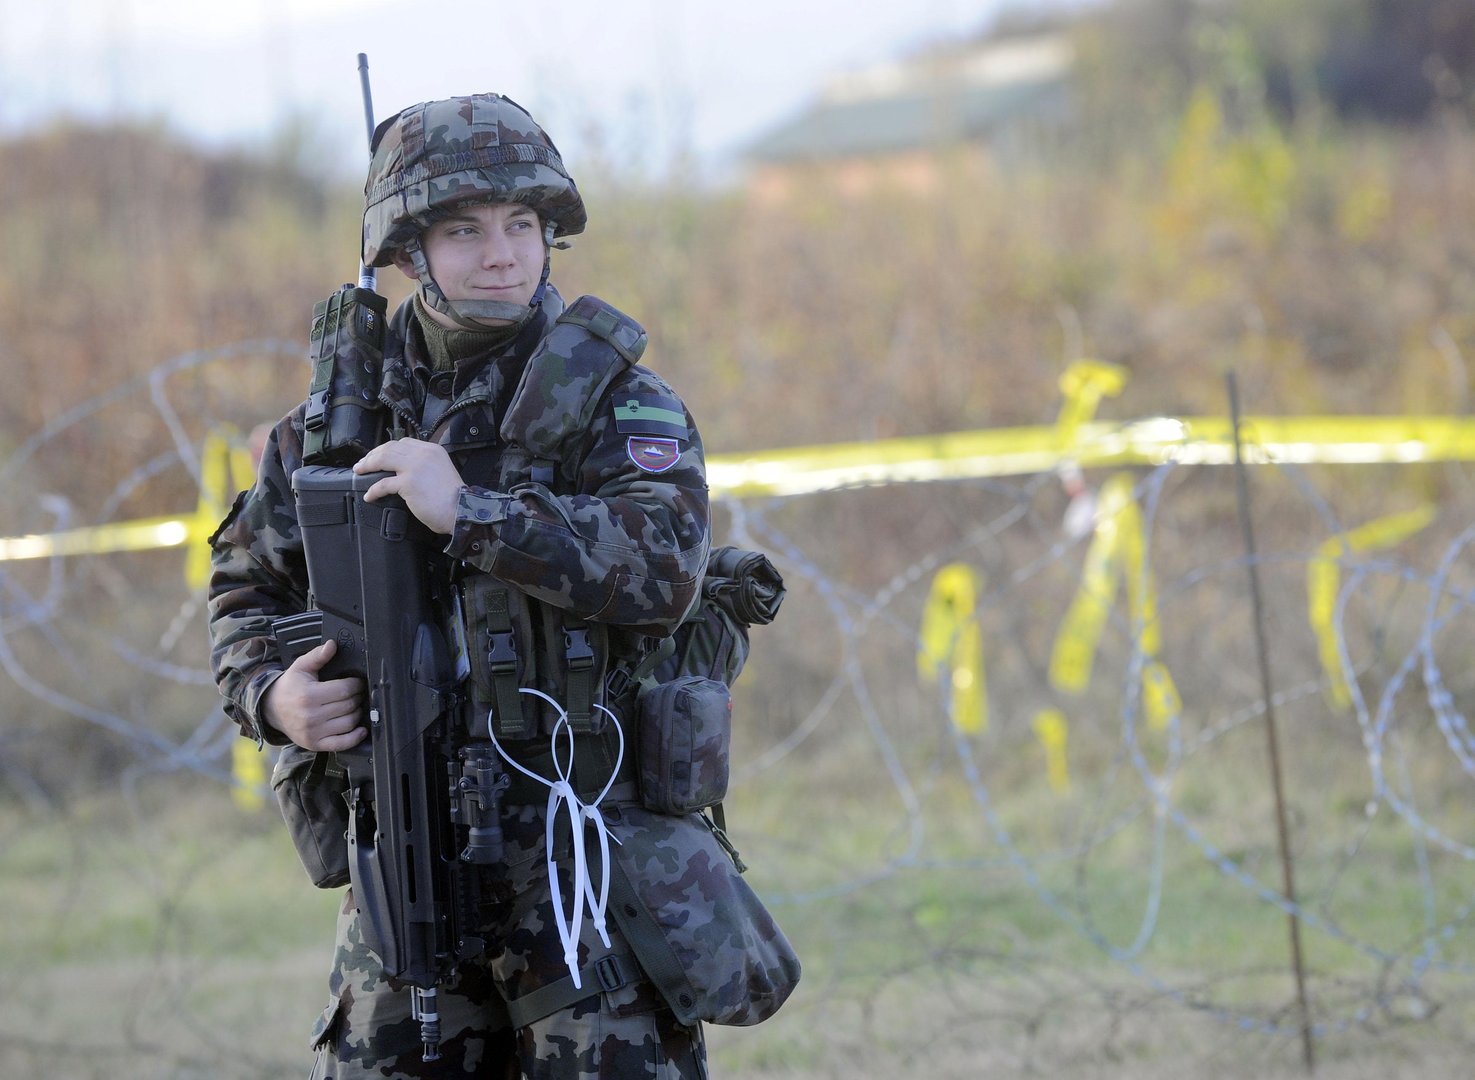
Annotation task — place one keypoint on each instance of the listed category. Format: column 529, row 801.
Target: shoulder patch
column 650, row 414
column 653, row 455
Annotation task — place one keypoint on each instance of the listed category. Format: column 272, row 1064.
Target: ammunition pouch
column 516, row 642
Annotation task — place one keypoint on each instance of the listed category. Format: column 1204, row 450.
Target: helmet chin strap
column 471, row 314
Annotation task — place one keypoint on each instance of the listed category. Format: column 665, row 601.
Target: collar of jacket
column 406, row 367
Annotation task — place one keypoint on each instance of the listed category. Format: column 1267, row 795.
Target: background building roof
column 965, row 93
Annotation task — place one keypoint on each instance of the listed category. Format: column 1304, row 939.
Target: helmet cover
column 440, row 154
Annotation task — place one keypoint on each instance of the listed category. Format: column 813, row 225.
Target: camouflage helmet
column 438, row 154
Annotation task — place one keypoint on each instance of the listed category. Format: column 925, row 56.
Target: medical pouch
column 685, row 736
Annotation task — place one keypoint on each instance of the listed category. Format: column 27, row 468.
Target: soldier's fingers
column 374, row 459
column 313, row 660
column 387, row 457
column 338, row 723
column 341, row 742
column 390, row 485
column 347, row 688
column 336, row 697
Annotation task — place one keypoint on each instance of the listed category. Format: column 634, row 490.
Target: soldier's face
column 490, row 252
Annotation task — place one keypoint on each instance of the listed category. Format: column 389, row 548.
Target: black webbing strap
column 578, row 658
column 312, row 513
column 508, row 721
column 594, row 761
column 608, row 972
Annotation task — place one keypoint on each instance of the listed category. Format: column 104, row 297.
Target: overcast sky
column 649, row 76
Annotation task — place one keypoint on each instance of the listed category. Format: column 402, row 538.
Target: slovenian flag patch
column 653, row 455
column 650, row 414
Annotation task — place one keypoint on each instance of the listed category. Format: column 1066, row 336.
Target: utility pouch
column 345, row 419
column 701, row 934
column 684, row 743
column 514, row 641
column 311, row 789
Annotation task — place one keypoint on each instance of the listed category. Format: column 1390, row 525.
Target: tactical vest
column 515, row 641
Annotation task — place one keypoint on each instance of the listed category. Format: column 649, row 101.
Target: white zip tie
column 561, row 793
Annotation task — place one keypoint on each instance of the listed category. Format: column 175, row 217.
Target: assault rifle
column 425, row 799
column 423, row 796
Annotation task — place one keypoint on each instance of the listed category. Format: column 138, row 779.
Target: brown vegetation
column 1333, row 269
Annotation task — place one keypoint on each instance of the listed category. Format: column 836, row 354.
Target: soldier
column 467, row 196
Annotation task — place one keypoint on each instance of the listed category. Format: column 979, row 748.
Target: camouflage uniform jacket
column 627, row 547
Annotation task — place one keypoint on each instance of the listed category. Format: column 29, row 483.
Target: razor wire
column 1386, row 688
column 855, row 614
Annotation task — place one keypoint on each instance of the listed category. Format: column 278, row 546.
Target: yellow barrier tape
column 1050, row 728
column 952, row 643
column 1085, row 619
column 143, row 535
column 1333, row 440
column 1116, row 553
column 221, row 463
column 1324, row 580
column 248, row 773
column 1083, row 384
column 1346, row 440
column 1080, row 631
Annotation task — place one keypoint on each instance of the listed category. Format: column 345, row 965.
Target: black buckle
column 618, row 683
column 576, row 648
column 502, row 655
column 317, row 410
column 610, row 972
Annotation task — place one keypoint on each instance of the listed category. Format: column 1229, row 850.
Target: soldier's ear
column 406, row 265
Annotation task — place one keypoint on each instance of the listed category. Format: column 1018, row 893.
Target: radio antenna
column 368, row 278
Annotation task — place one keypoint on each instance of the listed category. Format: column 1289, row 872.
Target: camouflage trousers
column 626, row 1033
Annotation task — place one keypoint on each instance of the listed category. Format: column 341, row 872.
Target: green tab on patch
column 650, row 414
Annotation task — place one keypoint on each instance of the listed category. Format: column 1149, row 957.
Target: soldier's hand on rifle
column 424, row 476
column 316, row 714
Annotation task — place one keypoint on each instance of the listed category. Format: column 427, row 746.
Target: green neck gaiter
column 448, row 346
